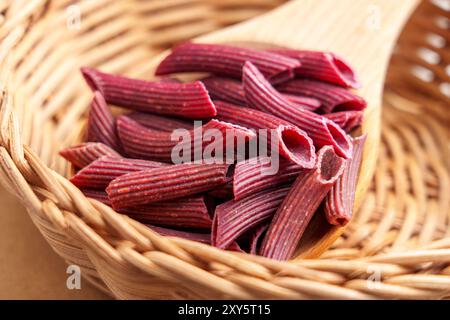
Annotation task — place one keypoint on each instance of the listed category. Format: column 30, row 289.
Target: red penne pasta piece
column 347, row 120
column 233, row 218
column 332, row 98
column 194, row 236
column 226, row 60
column 140, row 142
column 99, row 195
column 235, row 247
column 225, row 89
column 298, row 207
column 165, row 183
column 186, row 100
column 262, row 96
column 306, row 103
column 180, row 213
column 323, row 66
column 101, row 123
column 99, row 173
column 294, row 144
column 255, row 236
column 223, row 192
column 231, row 90
column 83, row 154
column 338, row 204
column 160, row 123
column 255, row 175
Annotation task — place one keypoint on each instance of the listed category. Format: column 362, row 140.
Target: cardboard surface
column 29, row 268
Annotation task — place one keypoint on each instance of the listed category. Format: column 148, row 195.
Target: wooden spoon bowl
column 364, row 33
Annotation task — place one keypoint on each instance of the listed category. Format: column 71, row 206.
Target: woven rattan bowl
column 396, row 247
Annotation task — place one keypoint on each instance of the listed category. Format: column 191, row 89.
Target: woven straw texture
column 397, row 246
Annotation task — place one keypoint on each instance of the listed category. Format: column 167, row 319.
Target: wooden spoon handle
column 364, row 32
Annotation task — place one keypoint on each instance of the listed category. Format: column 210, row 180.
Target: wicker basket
column 397, row 246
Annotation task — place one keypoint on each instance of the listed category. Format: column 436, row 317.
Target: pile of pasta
column 302, row 98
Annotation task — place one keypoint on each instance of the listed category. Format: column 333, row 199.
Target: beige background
column 29, row 268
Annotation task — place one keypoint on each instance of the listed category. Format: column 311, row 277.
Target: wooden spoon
column 364, row 33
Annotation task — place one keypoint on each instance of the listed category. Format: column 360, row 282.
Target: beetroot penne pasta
column 323, row 66
column 225, row 89
column 331, row 98
column 338, row 204
column 347, row 120
column 187, row 100
column 140, row 142
column 99, row 173
column 298, row 207
column 306, row 103
column 233, row 218
column 189, row 212
column 101, row 123
column 160, row 123
column 221, row 182
column 255, row 236
column 99, row 195
column 165, row 183
column 83, row 154
column 262, row 96
column 194, row 236
column 231, row 90
column 293, row 143
column 143, row 143
column 226, row 60
column 254, row 175
column 223, row 192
